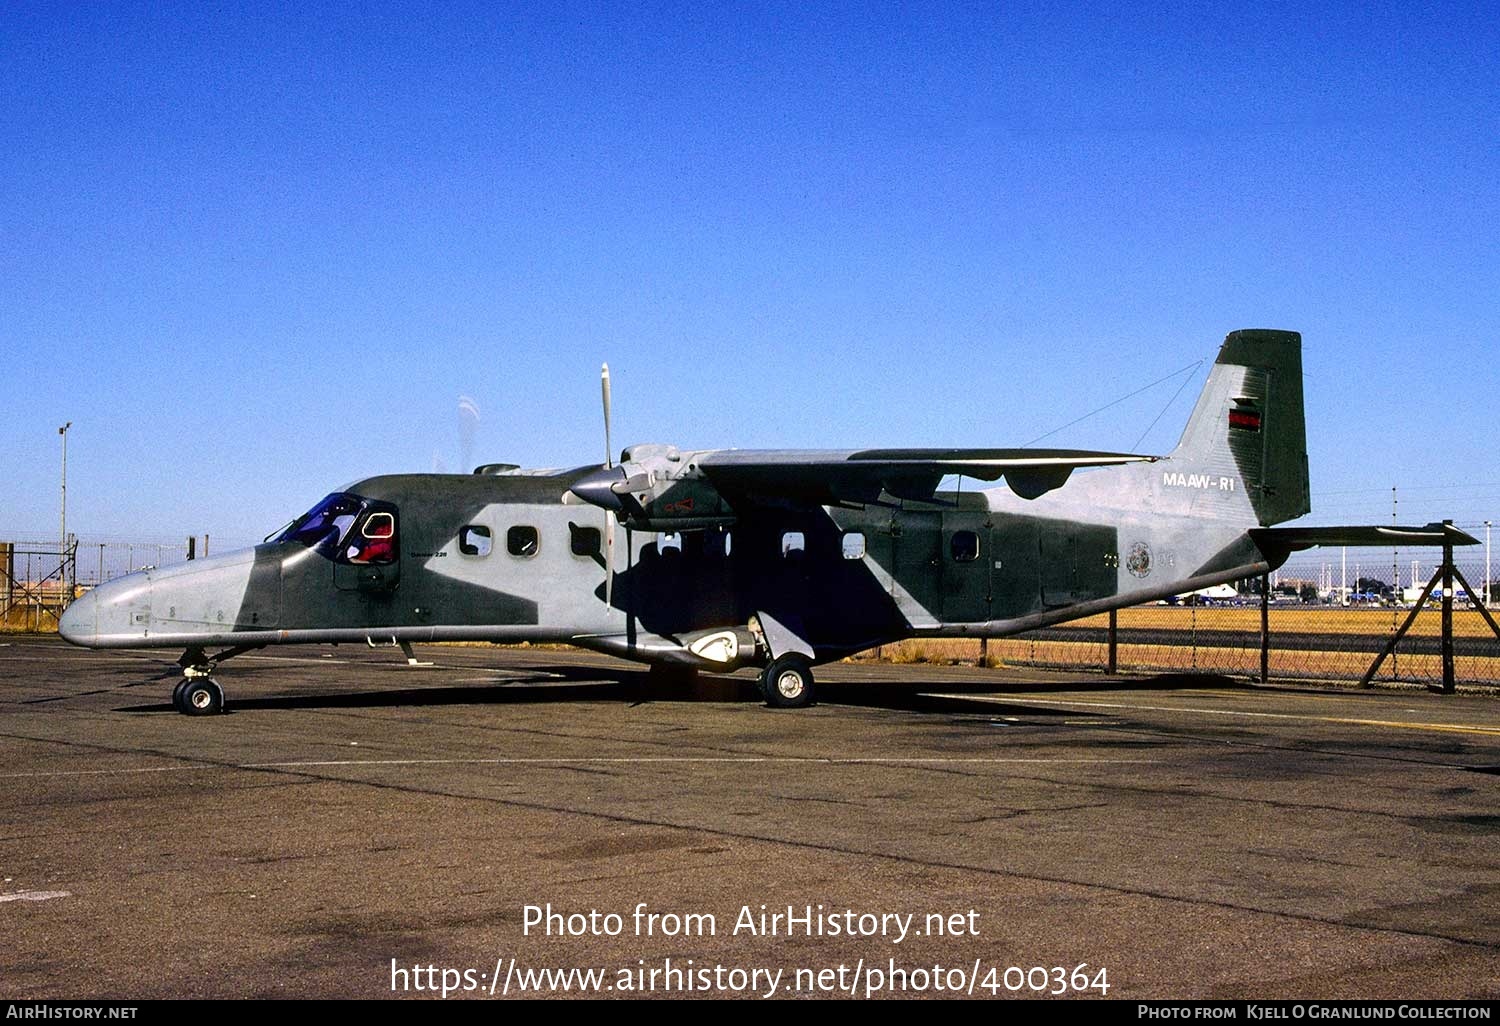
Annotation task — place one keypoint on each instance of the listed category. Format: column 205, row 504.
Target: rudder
column 1248, row 429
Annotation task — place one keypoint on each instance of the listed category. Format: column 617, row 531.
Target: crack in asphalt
column 804, row 845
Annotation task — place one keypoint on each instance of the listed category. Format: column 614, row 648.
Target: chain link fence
column 39, row 578
column 1318, row 629
column 104, row 561
column 37, row 581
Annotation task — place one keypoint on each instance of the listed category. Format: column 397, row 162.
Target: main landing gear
column 787, row 683
column 198, row 694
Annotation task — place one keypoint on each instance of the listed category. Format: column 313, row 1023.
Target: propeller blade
column 468, row 425
column 609, row 560
column 609, row 450
column 609, row 519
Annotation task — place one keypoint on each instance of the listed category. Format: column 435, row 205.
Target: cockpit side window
column 375, row 541
column 379, row 525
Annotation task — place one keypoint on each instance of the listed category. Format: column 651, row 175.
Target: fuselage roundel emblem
column 1139, row 560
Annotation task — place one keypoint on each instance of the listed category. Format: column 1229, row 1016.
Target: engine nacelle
column 657, row 488
column 726, row 649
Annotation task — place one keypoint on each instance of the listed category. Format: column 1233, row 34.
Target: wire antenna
column 1144, row 388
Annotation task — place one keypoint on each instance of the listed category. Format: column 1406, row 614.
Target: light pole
column 1486, row 564
column 62, row 526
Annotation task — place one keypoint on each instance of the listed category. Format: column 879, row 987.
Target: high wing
column 662, row 488
column 860, row 476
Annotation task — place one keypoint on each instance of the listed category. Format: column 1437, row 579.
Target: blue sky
column 256, row 254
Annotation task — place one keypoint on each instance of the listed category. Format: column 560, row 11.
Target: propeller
column 609, row 519
column 609, row 459
column 468, row 426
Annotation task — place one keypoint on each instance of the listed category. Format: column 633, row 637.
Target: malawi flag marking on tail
column 1244, row 420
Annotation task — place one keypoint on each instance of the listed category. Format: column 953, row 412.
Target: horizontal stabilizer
column 1294, row 539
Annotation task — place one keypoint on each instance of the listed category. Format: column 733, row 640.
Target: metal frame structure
column 22, row 590
column 1446, row 573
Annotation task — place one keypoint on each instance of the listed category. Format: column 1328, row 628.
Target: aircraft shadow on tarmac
column 570, row 684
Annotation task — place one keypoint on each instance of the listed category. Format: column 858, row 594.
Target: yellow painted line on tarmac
column 1257, row 695
column 1450, row 727
column 1458, row 728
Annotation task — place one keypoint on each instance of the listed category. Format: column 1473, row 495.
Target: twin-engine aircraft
column 719, row 559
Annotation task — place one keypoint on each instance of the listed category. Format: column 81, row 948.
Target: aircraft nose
column 109, row 614
column 80, row 621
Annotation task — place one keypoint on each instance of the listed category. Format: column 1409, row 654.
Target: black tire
column 177, row 702
column 788, row 683
column 201, row 696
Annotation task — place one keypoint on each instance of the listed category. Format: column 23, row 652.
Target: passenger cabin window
column 475, row 540
column 854, row 545
column 964, row 546
column 793, row 544
column 522, row 540
column 585, row 540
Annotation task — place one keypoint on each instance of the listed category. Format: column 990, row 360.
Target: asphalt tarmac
column 356, row 827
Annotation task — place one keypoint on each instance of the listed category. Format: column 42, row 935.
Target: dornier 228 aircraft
column 719, row 559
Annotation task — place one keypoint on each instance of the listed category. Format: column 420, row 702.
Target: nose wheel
column 198, row 696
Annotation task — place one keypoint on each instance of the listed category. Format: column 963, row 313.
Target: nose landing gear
column 198, row 694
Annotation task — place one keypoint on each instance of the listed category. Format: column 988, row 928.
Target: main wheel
column 788, row 682
column 201, row 696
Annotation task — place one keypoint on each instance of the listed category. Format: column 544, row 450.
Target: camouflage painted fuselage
column 515, row 556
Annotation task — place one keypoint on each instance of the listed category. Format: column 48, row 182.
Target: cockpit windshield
column 325, row 526
column 347, row 529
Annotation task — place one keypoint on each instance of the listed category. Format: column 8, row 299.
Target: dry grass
column 1181, row 654
column 28, row 620
column 1467, row 622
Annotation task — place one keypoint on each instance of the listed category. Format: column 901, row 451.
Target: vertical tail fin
column 1244, row 452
